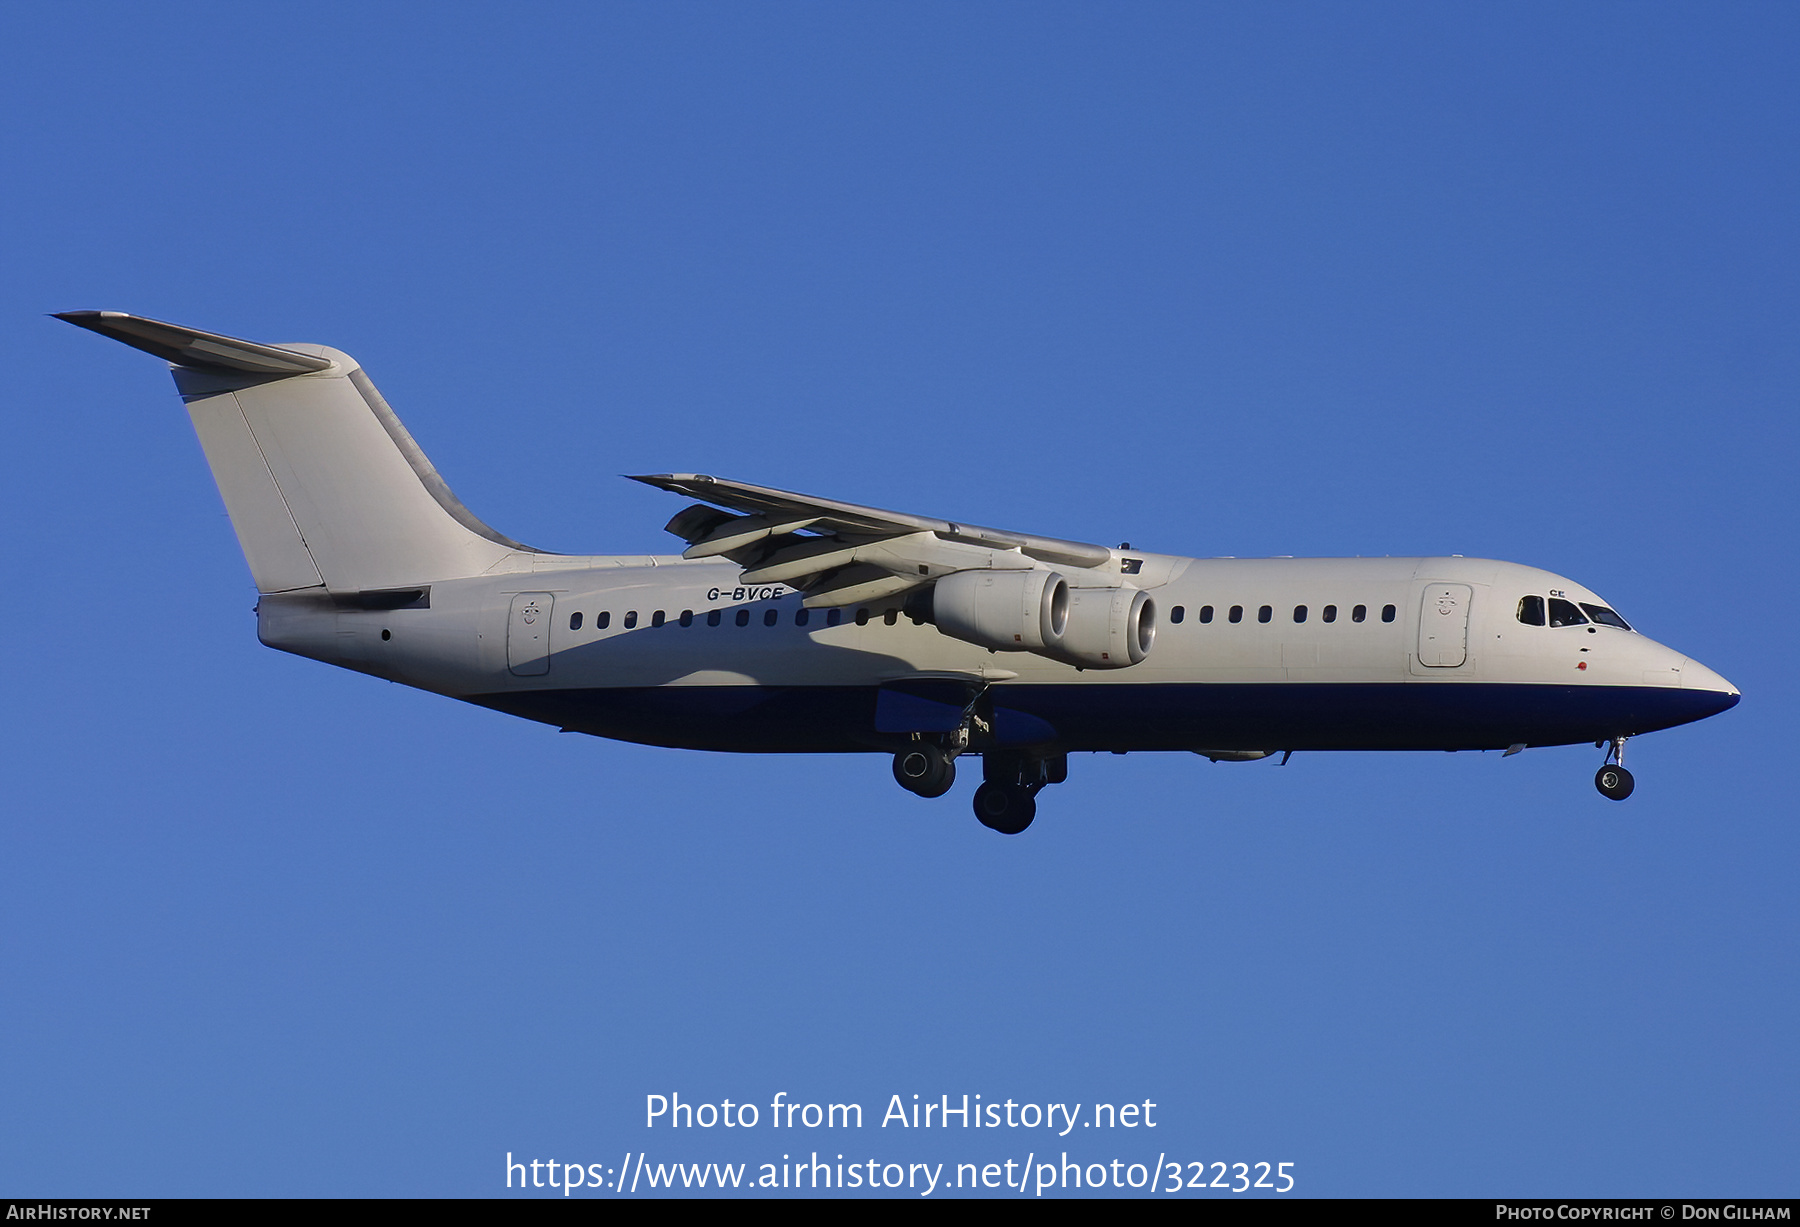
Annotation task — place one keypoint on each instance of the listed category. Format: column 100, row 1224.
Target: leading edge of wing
column 835, row 516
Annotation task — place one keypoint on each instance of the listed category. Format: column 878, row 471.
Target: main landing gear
column 1613, row 781
column 1007, row 799
column 925, row 769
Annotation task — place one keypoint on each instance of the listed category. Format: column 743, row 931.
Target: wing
column 844, row 553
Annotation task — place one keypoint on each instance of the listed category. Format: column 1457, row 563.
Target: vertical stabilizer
column 323, row 484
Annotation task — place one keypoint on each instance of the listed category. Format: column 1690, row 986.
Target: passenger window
column 604, row 620
column 1265, row 613
column 687, row 617
column 1564, row 613
column 1206, row 613
column 770, row 616
column 891, row 616
column 1329, row 613
column 656, row 619
column 630, row 619
column 1359, row 614
column 1599, row 613
column 862, row 617
column 802, row 616
column 1387, row 613
column 743, row 617
column 1236, row 614
column 575, row 621
column 1531, row 610
column 1299, row 613
column 833, row 617
column 1176, row 615
column 712, row 617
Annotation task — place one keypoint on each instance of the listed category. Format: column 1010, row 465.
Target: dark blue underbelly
column 1186, row 716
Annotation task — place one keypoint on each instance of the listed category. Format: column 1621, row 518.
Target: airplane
column 796, row 624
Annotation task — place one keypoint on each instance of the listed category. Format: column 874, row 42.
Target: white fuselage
column 560, row 632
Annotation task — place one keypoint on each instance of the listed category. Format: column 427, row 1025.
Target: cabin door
column 528, row 634
column 1444, row 625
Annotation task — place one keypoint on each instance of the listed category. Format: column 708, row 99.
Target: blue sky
column 1306, row 279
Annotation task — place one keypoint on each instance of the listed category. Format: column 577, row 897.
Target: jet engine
column 1109, row 628
column 1037, row 611
column 1008, row 611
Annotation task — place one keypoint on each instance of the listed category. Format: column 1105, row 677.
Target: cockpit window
column 1531, row 610
column 1605, row 616
column 1564, row 613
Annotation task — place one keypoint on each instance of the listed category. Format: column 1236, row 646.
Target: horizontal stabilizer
column 192, row 348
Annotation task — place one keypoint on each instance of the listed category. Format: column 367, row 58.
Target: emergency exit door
column 1444, row 625
column 528, row 634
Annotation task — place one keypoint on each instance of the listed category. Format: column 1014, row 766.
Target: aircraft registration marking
column 768, row 592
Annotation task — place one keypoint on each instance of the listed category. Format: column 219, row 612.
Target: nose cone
column 1696, row 677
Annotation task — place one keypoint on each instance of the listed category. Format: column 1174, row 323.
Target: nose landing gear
column 1613, row 781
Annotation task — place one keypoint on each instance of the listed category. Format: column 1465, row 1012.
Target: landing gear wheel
column 1614, row 783
column 924, row 769
column 1006, row 808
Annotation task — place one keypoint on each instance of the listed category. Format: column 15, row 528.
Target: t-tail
column 324, row 486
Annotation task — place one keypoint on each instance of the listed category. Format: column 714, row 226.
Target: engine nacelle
column 1109, row 628
column 1008, row 611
